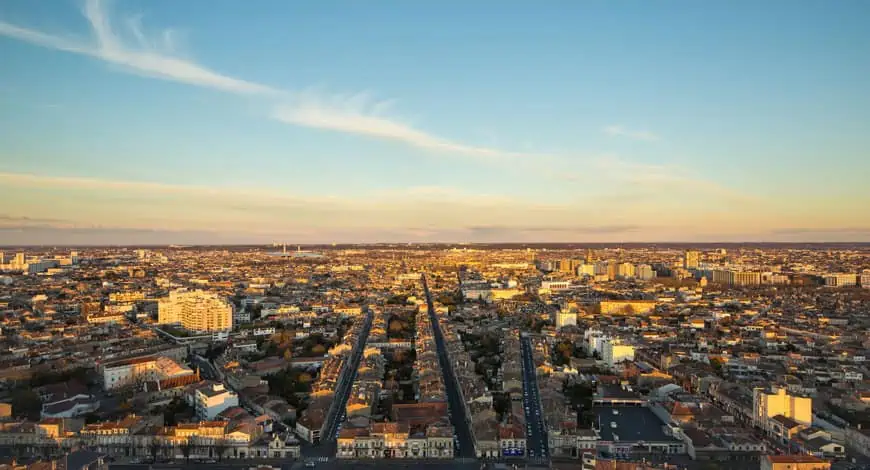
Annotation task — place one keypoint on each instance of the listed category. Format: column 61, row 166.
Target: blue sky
column 433, row 121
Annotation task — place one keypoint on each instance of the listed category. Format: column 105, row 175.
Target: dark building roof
column 633, row 424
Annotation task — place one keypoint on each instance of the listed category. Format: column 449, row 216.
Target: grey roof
column 633, row 424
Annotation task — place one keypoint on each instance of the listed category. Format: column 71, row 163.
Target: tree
column 580, row 395
column 175, row 407
column 154, row 448
column 565, row 349
column 26, row 402
column 220, row 448
column 396, row 326
column 50, row 449
column 186, row 448
column 717, row 365
column 501, row 404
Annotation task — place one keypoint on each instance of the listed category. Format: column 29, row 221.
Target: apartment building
column 195, row 310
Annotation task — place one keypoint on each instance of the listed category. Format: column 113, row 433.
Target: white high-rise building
column 196, row 310
column 692, row 260
column 625, row 270
column 586, row 269
column 645, row 272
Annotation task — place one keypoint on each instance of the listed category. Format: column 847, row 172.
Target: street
column 536, row 432
column 300, row 464
column 454, row 401
column 327, row 445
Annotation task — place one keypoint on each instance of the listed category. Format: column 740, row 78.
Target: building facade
column 195, row 310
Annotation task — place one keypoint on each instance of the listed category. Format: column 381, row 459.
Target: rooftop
column 633, row 423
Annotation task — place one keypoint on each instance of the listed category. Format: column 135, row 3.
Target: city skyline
column 159, row 122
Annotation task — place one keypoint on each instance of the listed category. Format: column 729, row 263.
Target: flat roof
column 633, row 423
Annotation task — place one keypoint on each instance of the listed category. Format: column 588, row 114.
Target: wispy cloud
column 620, row 131
column 7, row 220
column 359, row 114
column 822, row 230
column 155, row 55
column 145, row 58
column 241, row 195
column 577, row 229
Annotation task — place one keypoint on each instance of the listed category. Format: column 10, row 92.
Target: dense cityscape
column 654, row 357
column 434, row 235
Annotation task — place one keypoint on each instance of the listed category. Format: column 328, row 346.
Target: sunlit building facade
column 196, row 310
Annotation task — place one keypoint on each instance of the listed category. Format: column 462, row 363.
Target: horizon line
column 336, row 244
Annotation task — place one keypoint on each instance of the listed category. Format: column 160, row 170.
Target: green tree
column 154, row 448
column 186, row 449
column 26, row 403
column 220, row 448
column 717, row 365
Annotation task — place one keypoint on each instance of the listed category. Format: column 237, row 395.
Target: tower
column 692, row 260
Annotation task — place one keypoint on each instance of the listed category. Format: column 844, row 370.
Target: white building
column 586, row 269
column 625, row 270
column 195, row 310
column 645, row 272
column 127, row 372
column 613, row 352
column 780, row 414
column 594, row 339
column 841, row 280
column 211, row 399
column 555, row 285
column 692, row 259
column 564, row 318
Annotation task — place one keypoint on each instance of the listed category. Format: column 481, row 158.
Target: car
column 310, row 464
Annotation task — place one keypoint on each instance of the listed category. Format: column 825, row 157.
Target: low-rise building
column 212, row 398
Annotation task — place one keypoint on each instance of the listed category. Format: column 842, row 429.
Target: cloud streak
column 358, row 114
column 144, row 59
column 620, row 131
column 155, row 56
column 821, row 230
column 271, row 197
column 579, row 229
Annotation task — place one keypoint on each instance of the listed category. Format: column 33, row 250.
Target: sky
column 158, row 121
